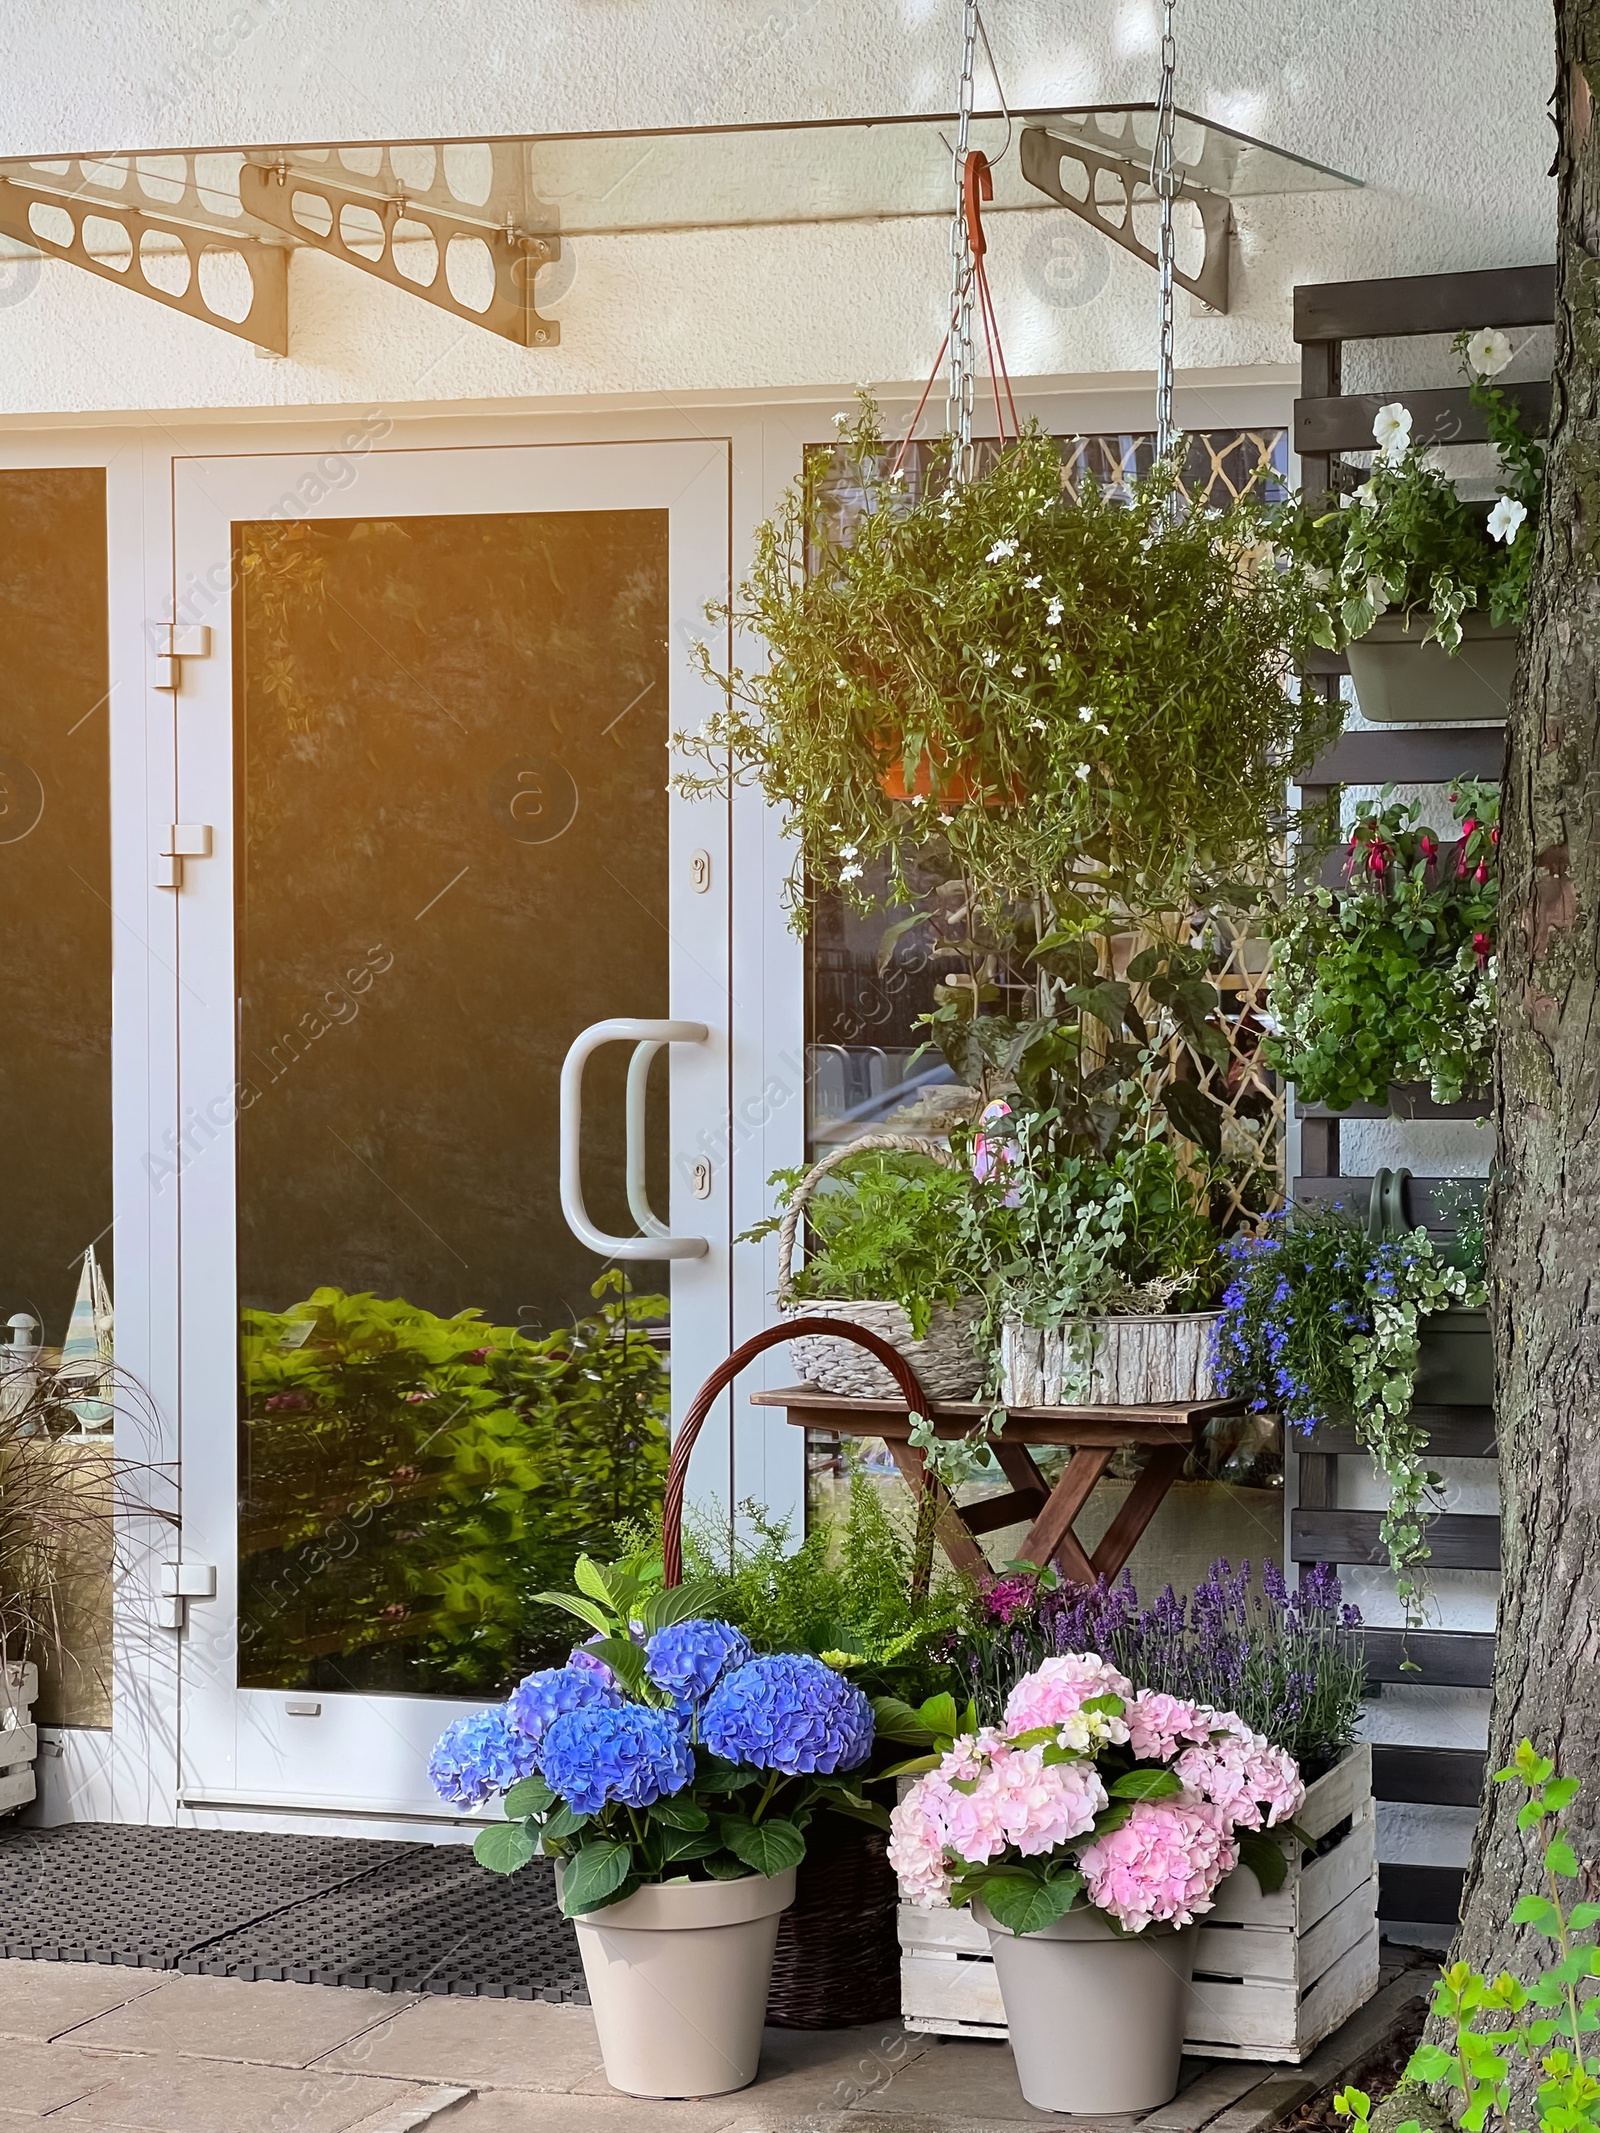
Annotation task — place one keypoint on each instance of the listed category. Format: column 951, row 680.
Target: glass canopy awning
column 467, row 225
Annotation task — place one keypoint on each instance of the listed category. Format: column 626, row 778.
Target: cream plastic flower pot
column 678, row 1976
column 1096, row 2018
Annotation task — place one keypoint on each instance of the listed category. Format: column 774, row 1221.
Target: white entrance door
column 423, row 789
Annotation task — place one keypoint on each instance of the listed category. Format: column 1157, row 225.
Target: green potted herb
column 1411, row 572
column 1081, row 697
column 1391, row 978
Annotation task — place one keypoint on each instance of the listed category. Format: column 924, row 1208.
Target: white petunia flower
column 1000, row 550
column 1489, row 351
column 1377, row 594
column 1505, row 520
column 1319, row 580
column 1366, row 496
column 1391, row 430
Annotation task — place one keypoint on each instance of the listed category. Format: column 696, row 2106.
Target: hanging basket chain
column 1164, row 184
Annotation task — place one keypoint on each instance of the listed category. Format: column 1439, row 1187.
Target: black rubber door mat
column 99, row 1892
column 394, row 1917
column 432, row 1921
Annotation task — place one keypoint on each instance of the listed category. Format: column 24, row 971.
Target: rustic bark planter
column 1274, row 1975
column 1399, row 679
column 1455, row 1363
column 1164, row 1359
column 19, row 1737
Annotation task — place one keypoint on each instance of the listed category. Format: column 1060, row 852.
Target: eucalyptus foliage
column 1085, row 700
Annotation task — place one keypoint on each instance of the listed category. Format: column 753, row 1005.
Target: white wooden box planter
column 19, row 1737
column 1153, row 1360
column 1273, row 1975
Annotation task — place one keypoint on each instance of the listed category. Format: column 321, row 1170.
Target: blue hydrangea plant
column 665, row 1748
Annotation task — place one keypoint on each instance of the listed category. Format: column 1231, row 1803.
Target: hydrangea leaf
column 678, row 1814
column 529, row 1796
column 1026, row 1904
column 594, row 1877
column 766, row 1847
column 1264, row 1857
column 503, row 1847
column 1146, row 1785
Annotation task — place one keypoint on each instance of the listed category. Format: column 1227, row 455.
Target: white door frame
column 366, row 1755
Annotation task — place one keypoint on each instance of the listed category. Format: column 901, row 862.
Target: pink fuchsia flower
column 1158, row 1725
column 1480, row 947
column 986, row 1798
column 1054, row 1695
column 1255, row 1785
column 1160, row 1867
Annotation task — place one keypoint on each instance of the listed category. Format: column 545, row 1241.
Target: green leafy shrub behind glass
column 1392, row 977
column 409, row 1483
column 1082, row 698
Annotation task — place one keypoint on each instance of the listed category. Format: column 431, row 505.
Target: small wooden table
column 1169, row 1435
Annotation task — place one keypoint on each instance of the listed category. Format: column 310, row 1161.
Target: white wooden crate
column 1274, row 1975
column 19, row 1737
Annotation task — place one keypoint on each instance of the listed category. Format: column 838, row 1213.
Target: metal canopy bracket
column 1119, row 160
column 172, row 269
column 362, row 227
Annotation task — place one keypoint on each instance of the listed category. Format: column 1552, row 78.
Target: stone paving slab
column 222, row 2018
column 175, row 2095
column 39, row 2001
column 506, row 2044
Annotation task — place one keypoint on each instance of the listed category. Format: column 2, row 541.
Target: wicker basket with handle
column 838, row 1954
column 946, row 1359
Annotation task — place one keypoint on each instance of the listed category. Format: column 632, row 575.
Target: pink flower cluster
column 1161, row 1866
column 987, row 1797
column 1255, row 1785
column 1054, row 1695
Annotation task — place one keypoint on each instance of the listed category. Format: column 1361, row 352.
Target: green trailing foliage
column 412, row 1483
column 1504, row 2034
column 1083, row 700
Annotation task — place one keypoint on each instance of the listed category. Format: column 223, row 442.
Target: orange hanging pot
column 947, row 782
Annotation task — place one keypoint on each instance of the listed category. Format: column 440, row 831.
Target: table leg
column 957, row 1543
column 1051, row 1535
column 1162, row 1467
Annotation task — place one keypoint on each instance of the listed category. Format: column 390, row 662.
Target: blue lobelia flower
column 789, row 1713
column 629, row 1754
column 480, row 1754
column 688, row 1659
column 536, row 1703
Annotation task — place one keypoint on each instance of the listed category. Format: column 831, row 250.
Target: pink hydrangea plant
column 1161, row 1866
column 1158, row 1725
column 1255, row 1784
column 1016, row 1800
column 1054, row 1695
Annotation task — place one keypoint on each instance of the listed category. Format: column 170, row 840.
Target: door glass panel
column 450, row 758
column 55, row 1061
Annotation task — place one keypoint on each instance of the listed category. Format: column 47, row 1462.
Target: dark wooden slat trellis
column 1327, row 421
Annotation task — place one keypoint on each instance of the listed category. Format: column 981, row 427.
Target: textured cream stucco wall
column 1438, row 107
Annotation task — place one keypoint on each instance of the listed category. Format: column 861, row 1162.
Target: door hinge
column 184, row 840
column 176, row 1585
column 171, row 643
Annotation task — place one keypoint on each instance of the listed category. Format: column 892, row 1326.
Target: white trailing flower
column 990, row 658
column 841, row 421
column 1489, row 351
column 850, row 873
column 1505, row 520
column 1052, row 613
column 1000, row 550
column 1021, row 673
column 1032, row 584
column 1391, row 430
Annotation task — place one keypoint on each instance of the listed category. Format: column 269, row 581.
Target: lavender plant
column 1289, row 1663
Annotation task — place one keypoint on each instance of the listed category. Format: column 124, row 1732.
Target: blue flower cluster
column 788, row 1713
column 480, row 1754
column 632, row 1755
column 688, row 1659
column 536, row 1704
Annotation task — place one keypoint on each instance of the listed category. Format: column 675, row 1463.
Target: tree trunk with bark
column 1544, row 1258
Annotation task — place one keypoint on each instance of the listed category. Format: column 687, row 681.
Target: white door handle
column 647, row 1038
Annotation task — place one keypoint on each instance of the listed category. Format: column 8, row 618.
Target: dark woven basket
column 838, row 1959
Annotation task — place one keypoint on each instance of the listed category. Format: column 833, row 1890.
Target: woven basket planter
column 946, row 1359
column 838, row 1959
column 1157, row 1361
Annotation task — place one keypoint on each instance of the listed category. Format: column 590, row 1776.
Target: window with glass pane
column 450, row 757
